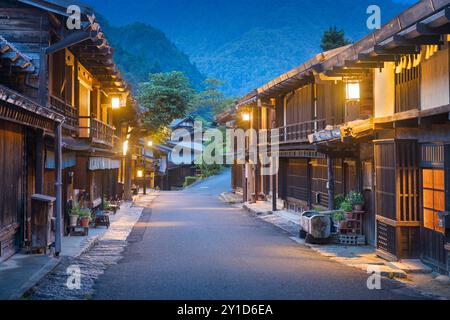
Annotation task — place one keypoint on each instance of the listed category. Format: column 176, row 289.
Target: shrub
column 338, row 216
column 338, row 200
column 189, row 180
column 346, row 206
column 355, row 198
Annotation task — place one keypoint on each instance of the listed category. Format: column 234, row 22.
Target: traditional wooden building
column 23, row 125
column 71, row 73
column 385, row 132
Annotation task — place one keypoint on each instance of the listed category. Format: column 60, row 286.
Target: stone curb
column 224, row 198
column 386, row 271
column 51, row 265
column 35, row 279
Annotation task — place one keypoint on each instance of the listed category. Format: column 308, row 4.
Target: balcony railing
column 299, row 132
column 98, row 131
column 66, row 109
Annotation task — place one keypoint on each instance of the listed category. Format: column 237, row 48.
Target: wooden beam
column 422, row 40
column 380, row 50
column 363, row 65
column 366, row 57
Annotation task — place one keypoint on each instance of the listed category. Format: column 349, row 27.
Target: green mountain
column 141, row 49
column 246, row 43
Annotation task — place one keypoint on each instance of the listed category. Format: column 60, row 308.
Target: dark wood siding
column 331, row 102
column 319, row 177
column 299, row 106
column 12, row 182
column 385, row 179
column 297, row 179
column 237, row 176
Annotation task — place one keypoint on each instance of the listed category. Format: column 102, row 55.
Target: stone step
column 412, row 266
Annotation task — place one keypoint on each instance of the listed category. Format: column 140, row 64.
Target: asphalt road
column 190, row 245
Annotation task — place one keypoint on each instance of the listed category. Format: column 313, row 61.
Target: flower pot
column 349, row 215
column 84, row 222
column 73, row 221
column 359, row 207
column 343, row 225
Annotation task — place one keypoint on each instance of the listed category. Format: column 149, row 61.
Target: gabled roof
column 60, row 6
column 290, row 80
column 20, row 101
column 90, row 41
column 11, row 57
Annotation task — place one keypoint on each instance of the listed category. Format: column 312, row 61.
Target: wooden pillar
column 330, row 183
column 40, row 162
column 274, row 192
column 144, row 180
column 128, row 173
column 43, row 78
column 58, row 188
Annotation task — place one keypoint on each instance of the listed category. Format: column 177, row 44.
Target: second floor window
column 61, row 76
column 407, row 89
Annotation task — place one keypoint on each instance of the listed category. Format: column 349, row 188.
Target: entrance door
column 12, row 199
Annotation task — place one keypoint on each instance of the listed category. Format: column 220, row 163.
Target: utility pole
column 58, row 188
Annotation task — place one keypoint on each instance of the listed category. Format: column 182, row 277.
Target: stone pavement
column 412, row 272
column 22, row 272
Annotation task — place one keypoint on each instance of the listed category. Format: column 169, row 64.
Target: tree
column 333, row 38
column 165, row 97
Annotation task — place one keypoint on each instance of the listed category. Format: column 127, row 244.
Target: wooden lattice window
column 407, row 89
column 433, row 198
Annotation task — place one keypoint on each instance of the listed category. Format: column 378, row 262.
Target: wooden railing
column 299, row 132
column 66, row 109
column 98, row 131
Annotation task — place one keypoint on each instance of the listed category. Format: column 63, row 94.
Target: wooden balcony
column 299, row 132
column 65, row 109
column 96, row 130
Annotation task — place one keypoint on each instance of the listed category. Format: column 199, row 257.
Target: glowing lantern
column 115, row 103
column 140, row 173
column 353, row 91
column 125, row 148
column 246, row 116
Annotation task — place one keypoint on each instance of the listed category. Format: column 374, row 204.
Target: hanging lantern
column 353, row 91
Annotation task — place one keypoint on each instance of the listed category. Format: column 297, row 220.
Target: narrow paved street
column 190, row 245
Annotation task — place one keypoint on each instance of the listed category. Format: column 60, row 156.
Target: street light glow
column 353, row 91
column 140, row 173
column 115, row 102
column 125, row 148
column 246, row 116
column 150, row 143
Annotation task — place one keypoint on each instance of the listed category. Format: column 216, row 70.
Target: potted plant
column 357, row 200
column 85, row 217
column 338, row 201
column 74, row 214
column 347, row 207
column 340, row 219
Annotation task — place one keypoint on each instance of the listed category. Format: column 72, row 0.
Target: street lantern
column 115, row 102
column 140, row 173
column 246, row 116
column 353, row 91
column 125, row 147
column 149, row 143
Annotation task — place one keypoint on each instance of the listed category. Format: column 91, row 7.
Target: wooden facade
column 390, row 141
column 51, row 76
